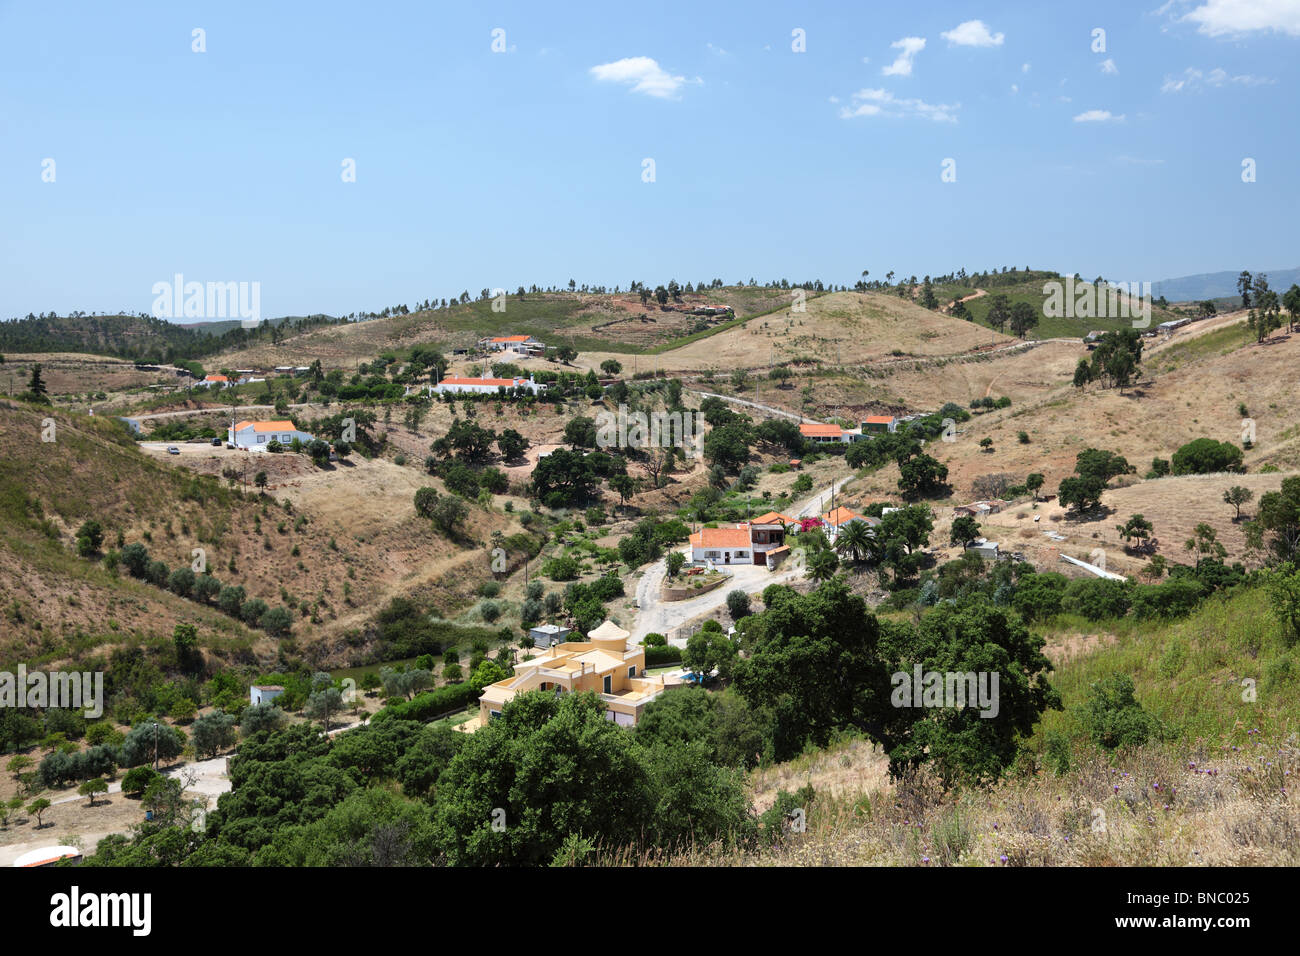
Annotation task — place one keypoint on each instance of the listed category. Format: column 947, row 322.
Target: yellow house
column 602, row 664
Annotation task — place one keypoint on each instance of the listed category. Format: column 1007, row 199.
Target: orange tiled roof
column 839, row 516
column 879, row 419
column 494, row 382
column 216, row 378
column 512, row 338
column 821, row 431
column 721, row 538
column 266, row 426
column 773, row 517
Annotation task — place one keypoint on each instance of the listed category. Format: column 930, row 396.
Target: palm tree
column 822, row 566
column 855, row 538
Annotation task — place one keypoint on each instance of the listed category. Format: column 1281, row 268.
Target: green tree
column 1236, row 496
column 854, row 539
column 675, row 560
column 213, row 733
column 965, row 530
column 92, row 787
column 39, row 806
column 822, row 566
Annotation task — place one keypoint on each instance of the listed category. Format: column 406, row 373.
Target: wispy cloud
column 1138, row 161
column 972, row 33
column 1217, row 18
column 1192, row 80
column 883, row 103
column 908, row 48
column 1108, row 67
column 642, row 74
column 1098, row 116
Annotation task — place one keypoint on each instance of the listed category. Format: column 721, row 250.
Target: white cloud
column 1098, row 116
column 972, row 33
column 643, row 74
column 1217, row 18
column 1024, row 68
column 834, row 99
column 883, row 103
column 1138, row 161
column 717, row 50
column 1108, row 67
column 1193, row 80
column 1015, row 87
column 908, row 48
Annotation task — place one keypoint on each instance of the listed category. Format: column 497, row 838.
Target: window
column 609, row 684
column 261, row 439
column 631, row 671
column 493, row 714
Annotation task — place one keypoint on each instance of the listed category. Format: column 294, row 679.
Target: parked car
column 216, row 443
column 173, row 450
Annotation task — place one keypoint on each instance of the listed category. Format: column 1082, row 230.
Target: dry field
column 842, row 328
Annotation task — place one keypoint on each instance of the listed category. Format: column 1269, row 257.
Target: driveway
column 657, row 616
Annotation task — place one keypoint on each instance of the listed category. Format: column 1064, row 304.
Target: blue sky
column 482, row 169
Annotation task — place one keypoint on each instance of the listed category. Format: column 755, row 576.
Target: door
column 609, row 681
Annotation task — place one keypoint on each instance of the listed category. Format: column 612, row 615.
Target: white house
column 722, row 545
column 523, row 345
column 216, row 381
column 823, row 434
column 264, row 693
column 486, row 386
column 255, row 436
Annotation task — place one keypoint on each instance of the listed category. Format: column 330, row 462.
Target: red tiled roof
column 821, row 431
column 266, row 426
column 721, row 538
column 839, row 516
column 879, row 419
column 773, row 517
column 494, row 382
column 512, row 338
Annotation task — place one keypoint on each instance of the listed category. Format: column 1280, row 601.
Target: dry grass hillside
column 346, row 542
column 841, row 328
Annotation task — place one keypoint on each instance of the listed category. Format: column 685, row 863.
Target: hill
column 1217, row 285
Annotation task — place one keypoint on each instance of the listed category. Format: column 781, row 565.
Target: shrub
column 251, row 612
column 658, row 656
column 737, row 604
column 1113, row 716
column 1097, row 599
column 426, row 707
column 1173, row 598
column 137, row 779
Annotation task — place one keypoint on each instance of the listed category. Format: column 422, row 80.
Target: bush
column 658, row 656
column 135, row 558
column 561, row 568
column 738, row 604
column 137, row 779
column 1113, row 716
column 1205, row 455
column 1097, row 599
column 654, row 640
column 1173, row 598
column 426, row 707
column 252, row 611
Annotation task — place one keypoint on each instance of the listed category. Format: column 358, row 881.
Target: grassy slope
column 1144, row 807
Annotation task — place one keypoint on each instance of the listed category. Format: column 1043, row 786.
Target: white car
column 173, row 450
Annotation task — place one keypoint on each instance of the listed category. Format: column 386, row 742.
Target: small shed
column 548, row 635
column 264, row 693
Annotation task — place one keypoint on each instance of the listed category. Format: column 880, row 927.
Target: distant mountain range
column 1218, row 285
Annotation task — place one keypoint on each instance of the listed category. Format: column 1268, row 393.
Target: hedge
column 428, row 706
column 657, row 656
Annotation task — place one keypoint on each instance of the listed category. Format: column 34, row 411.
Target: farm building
column 548, row 635
column 255, row 436
column 879, row 424
column 823, row 434
column 523, row 345
column 264, row 693
column 486, row 386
